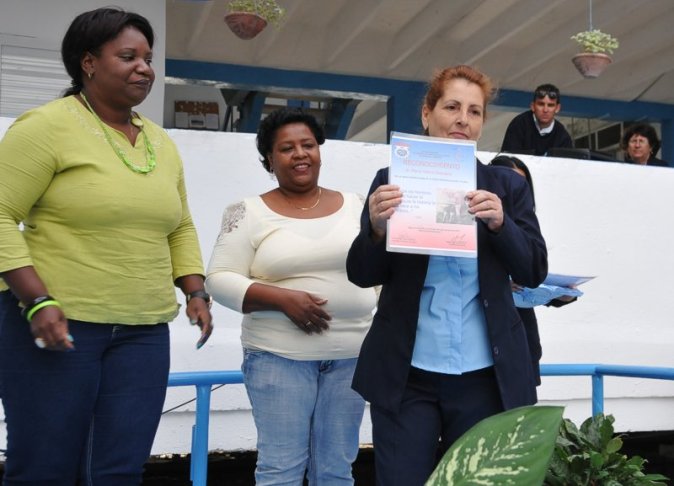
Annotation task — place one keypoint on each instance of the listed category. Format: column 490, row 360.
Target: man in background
column 536, row 131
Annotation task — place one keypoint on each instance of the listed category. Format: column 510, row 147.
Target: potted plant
column 534, row 445
column 247, row 18
column 591, row 456
column 597, row 46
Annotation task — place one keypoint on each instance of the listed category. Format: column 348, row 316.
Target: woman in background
column 84, row 340
column 279, row 260
column 447, row 347
column 641, row 144
column 528, row 314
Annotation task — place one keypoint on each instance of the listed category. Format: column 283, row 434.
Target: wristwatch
column 201, row 294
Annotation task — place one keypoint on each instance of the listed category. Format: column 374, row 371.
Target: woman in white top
column 280, row 260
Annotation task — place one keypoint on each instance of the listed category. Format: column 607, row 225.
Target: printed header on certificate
column 434, row 175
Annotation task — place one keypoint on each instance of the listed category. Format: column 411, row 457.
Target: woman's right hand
column 381, row 204
column 50, row 325
column 305, row 311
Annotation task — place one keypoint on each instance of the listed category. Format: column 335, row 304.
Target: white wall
column 42, row 24
column 603, row 219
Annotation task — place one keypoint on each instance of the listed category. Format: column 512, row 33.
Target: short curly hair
column 645, row 130
column 266, row 132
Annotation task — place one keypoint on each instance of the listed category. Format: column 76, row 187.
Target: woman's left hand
column 198, row 313
column 486, row 206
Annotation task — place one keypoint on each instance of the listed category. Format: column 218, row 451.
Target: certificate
column 434, row 175
column 561, row 280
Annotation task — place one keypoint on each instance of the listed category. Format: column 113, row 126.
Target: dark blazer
column 517, row 250
column 530, row 322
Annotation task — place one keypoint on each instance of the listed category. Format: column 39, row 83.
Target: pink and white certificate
column 434, row 175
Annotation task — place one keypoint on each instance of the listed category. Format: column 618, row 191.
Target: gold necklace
column 310, row 207
column 150, row 155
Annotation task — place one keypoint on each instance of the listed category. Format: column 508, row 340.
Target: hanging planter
column 591, row 64
column 245, row 25
column 597, row 46
column 594, row 58
column 247, row 18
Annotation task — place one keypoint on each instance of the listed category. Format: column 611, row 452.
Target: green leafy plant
column 596, row 41
column 591, row 456
column 269, row 10
column 510, row 448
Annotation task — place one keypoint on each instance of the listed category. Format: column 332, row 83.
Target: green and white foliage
column 596, row 41
column 510, row 448
column 269, row 10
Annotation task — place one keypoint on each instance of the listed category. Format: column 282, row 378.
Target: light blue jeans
column 307, row 418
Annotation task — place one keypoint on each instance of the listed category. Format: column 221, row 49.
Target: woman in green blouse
column 84, row 342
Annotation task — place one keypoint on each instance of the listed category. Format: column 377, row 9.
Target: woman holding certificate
column 447, row 347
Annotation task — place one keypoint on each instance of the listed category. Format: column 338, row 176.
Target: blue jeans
column 307, row 418
column 87, row 415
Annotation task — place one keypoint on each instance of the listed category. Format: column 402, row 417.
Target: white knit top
column 258, row 245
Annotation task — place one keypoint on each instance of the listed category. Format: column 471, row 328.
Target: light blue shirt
column 452, row 330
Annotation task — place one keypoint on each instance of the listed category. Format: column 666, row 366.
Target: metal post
column 597, row 393
column 590, row 14
column 199, row 466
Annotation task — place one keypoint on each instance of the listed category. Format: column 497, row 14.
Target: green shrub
column 591, row 456
column 596, row 41
column 269, row 10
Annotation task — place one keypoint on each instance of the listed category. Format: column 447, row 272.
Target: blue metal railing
column 599, row 371
column 204, row 380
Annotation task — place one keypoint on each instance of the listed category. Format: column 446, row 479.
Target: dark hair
column 436, row 87
column 89, row 31
column 549, row 90
column 645, row 130
column 515, row 163
column 266, row 132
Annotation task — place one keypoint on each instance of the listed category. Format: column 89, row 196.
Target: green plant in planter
column 269, row 10
column 591, row 456
column 510, row 448
column 596, row 41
